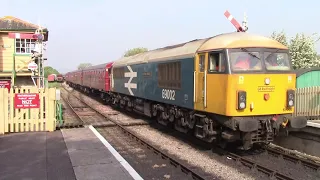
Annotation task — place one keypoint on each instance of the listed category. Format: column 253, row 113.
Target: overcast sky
column 100, row 31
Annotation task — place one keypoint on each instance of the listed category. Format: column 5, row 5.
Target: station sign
column 26, row 101
column 5, row 84
column 32, row 66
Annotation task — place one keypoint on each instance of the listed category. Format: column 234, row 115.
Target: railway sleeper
column 208, row 127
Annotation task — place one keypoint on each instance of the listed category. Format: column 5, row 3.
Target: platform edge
column 122, row 161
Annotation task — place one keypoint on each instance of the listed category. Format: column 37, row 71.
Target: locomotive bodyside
column 165, row 82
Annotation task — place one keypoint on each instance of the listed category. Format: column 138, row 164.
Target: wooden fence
column 307, row 102
column 27, row 109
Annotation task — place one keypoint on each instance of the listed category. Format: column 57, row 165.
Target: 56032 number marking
column 168, row 94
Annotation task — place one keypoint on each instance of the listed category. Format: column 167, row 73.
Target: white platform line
column 122, row 161
column 312, row 124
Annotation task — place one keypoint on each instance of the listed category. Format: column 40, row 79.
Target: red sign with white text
column 26, row 101
column 5, row 84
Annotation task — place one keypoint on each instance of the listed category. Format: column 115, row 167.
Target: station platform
column 313, row 127
column 81, row 154
column 314, row 123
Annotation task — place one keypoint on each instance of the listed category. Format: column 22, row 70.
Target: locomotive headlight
column 242, row 105
column 290, row 98
column 242, row 100
column 267, row 81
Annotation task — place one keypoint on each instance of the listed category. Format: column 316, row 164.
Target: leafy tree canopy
column 135, row 51
column 84, row 65
column 301, row 49
column 49, row 70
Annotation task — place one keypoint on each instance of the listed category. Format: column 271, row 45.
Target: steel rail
column 71, row 125
column 176, row 163
column 292, row 158
column 259, row 167
column 238, row 158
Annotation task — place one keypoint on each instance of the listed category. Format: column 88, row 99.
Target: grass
column 53, row 84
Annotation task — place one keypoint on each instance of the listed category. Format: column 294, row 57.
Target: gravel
column 68, row 116
column 207, row 161
column 296, row 153
column 210, row 162
column 286, row 167
column 108, row 111
column 148, row 164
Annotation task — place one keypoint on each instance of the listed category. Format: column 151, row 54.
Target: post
column 2, row 115
column 50, row 118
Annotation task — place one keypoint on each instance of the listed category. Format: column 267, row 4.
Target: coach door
column 107, row 79
column 200, row 81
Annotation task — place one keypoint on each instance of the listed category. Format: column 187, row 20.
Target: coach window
column 216, row 62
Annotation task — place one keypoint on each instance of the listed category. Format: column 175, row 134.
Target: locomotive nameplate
column 266, row 88
column 146, row 74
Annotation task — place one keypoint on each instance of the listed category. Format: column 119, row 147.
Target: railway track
column 156, row 164
column 86, row 115
column 292, row 157
column 245, row 161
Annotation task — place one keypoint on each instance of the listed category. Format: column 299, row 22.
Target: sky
column 100, row 31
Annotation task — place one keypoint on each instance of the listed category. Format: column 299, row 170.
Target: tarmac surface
column 81, row 154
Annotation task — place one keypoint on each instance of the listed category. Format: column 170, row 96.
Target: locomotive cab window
column 201, row 62
column 216, row 62
column 245, row 60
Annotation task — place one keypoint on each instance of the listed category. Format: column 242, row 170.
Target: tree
column 84, row 65
column 280, row 37
column 301, row 49
column 135, row 51
column 49, row 70
column 303, row 53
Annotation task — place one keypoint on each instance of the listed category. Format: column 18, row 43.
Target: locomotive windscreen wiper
column 272, row 53
column 245, row 50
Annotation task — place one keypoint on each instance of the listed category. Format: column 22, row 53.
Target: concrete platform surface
column 92, row 157
column 314, row 123
column 34, row 156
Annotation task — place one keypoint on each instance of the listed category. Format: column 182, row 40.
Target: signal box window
column 169, row 75
column 216, row 62
column 24, row 46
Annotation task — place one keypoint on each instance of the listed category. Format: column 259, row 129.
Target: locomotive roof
column 188, row 49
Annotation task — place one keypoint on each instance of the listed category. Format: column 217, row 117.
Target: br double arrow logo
column 131, row 75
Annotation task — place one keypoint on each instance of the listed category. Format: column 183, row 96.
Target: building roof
column 302, row 71
column 10, row 23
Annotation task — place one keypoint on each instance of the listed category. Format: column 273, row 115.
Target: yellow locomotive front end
column 261, row 82
column 246, row 87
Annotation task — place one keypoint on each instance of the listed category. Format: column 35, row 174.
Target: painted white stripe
column 130, row 85
column 17, row 35
column 230, row 17
column 122, row 161
column 312, row 124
